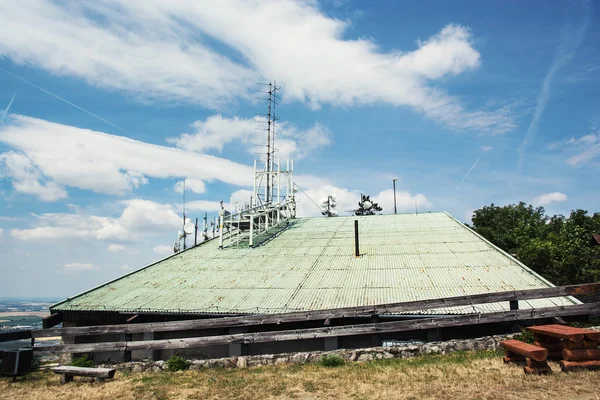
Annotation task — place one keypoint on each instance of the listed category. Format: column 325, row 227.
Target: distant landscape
column 22, row 314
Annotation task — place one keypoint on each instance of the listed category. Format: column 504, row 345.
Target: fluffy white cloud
column 486, row 148
column 119, row 248
column 405, row 202
column 163, row 250
column 548, row 198
column 126, row 45
column 27, row 178
column 80, row 267
column 347, row 200
column 101, row 162
column 216, row 131
column 192, row 185
column 139, row 218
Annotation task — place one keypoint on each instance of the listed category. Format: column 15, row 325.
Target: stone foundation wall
column 351, row 355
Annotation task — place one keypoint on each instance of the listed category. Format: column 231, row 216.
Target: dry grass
column 477, row 375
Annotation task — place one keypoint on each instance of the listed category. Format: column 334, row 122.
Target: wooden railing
column 513, row 297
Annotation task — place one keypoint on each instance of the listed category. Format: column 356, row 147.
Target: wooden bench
column 525, row 350
column 68, row 372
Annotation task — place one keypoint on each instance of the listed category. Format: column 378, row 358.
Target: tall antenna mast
column 184, row 245
column 271, row 119
column 268, row 165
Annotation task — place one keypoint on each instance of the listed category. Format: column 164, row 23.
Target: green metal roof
column 311, row 265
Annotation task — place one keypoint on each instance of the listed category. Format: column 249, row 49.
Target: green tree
column 558, row 248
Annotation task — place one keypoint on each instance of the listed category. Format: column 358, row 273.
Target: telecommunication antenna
column 328, row 205
column 271, row 119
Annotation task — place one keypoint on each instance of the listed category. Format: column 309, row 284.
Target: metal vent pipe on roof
column 356, row 247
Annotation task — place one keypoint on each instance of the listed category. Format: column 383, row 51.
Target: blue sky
column 110, row 104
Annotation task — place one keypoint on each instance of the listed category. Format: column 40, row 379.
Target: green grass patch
column 454, row 358
column 177, row 363
column 331, row 361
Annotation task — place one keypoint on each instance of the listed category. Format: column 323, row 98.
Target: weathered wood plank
column 262, row 319
column 15, row 335
column 108, row 373
column 525, row 349
column 313, row 333
column 52, row 320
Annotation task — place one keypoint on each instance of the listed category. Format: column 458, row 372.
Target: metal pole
column 356, row 248
column 251, row 242
column 254, row 177
column 220, row 231
column 278, row 182
column 196, row 233
column 394, row 182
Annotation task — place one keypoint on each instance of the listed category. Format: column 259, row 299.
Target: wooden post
column 127, row 354
column 375, row 338
column 238, row 349
column 434, row 335
column 330, row 343
column 67, row 358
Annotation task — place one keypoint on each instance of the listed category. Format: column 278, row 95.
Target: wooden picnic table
column 569, row 333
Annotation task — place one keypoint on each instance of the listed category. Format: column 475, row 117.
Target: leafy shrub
column 332, row 361
column 525, row 336
column 83, row 361
column 177, row 363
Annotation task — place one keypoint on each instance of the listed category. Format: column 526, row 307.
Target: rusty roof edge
column 525, row 267
column 126, row 275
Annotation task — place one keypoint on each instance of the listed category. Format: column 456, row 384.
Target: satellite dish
column 189, row 227
column 180, row 235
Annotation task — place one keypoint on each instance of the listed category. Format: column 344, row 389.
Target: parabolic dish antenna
column 189, row 227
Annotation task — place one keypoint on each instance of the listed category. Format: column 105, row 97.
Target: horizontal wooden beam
column 52, row 320
column 313, row 333
column 15, row 335
column 346, row 312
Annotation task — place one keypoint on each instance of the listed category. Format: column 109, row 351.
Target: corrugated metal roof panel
column 312, row 266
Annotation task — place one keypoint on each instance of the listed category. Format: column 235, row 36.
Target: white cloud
column 347, row 200
column 548, row 198
column 581, row 151
column 80, row 267
column 119, row 248
column 202, row 205
column 216, row 131
column 101, row 162
column 585, row 149
column 27, row 178
column 1, row 231
column 126, row 45
column 192, row 185
column 486, row 148
column 126, row 268
column 163, row 250
column 139, row 218
column 405, row 202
